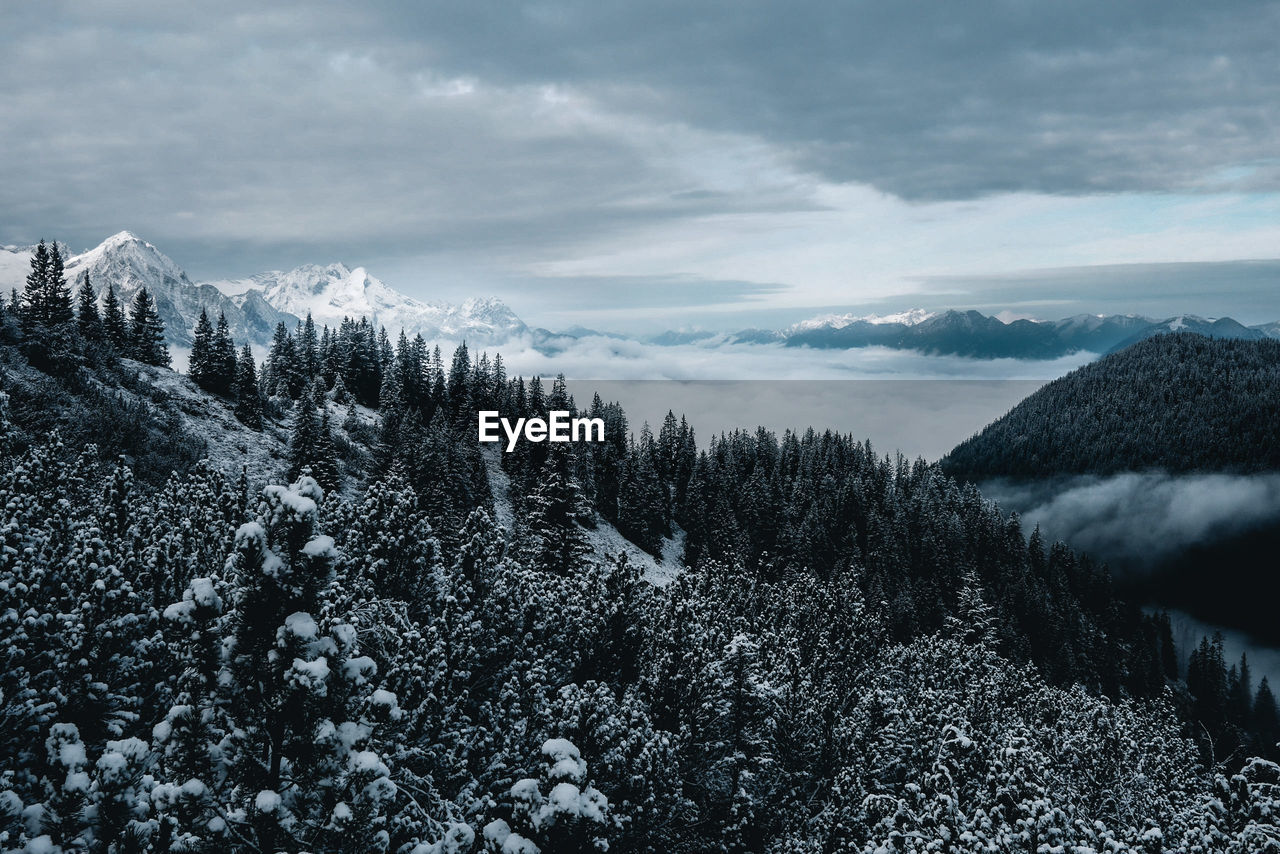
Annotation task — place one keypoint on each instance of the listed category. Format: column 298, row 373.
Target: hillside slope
column 1179, row 402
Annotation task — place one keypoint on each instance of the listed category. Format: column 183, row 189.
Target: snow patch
column 321, row 546
column 301, row 625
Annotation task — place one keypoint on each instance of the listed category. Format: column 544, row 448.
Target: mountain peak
column 122, row 237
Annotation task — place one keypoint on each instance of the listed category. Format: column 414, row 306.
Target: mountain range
column 976, row 335
column 256, row 304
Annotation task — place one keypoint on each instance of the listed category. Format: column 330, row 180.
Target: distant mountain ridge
column 976, row 335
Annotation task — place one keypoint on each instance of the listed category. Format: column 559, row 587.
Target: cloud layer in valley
column 1141, row 519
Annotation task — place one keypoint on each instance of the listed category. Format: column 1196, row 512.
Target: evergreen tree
column 326, row 455
column 278, row 372
column 224, row 357
column 1266, row 718
column 146, row 332
column 47, row 314
column 113, row 322
column 59, row 313
column 202, row 368
column 33, row 309
column 88, row 320
column 248, row 403
column 311, row 447
column 554, row 512
column 308, row 352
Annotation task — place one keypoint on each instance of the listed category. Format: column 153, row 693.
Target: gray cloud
column 239, row 136
column 247, row 136
column 936, row 101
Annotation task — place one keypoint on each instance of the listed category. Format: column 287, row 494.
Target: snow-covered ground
column 606, row 541
column 230, row 443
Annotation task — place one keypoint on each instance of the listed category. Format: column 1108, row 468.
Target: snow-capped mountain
column 254, row 306
column 911, row 317
column 335, row 291
column 129, row 263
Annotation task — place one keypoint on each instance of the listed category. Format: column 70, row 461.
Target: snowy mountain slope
column 606, row 541
column 335, row 291
column 911, row 317
column 15, row 263
column 230, row 444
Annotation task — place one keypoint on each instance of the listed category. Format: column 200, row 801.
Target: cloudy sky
column 645, row 164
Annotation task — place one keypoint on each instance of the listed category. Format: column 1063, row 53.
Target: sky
column 641, row 166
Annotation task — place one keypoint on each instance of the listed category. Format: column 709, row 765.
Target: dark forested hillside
column 862, row 655
column 1178, row 402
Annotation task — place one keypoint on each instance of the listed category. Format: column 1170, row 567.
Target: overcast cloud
column 766, row 157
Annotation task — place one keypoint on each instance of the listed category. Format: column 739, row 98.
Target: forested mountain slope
column 1177, row 402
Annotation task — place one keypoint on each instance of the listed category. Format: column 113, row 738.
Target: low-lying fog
column 918, row 417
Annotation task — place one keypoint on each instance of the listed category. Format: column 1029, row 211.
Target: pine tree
column 554, row 538
column 307, row 347
column 248, row 404
column 88, row 320
column 1266, row 717
column 113, row 322
column 146, row 332
column 59, row 313
column 300, row 732
column 224, row 357
column 303, row 438
column 33, row 303
column 324, row 464
column 201, row 367
column 47, row 315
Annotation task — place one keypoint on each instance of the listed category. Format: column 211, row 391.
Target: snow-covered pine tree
column 554, row 539
column 557, row 812
column 279, row 369
column 303, row 433
column 298, row 765
column 324, row 464
column 307, row 350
